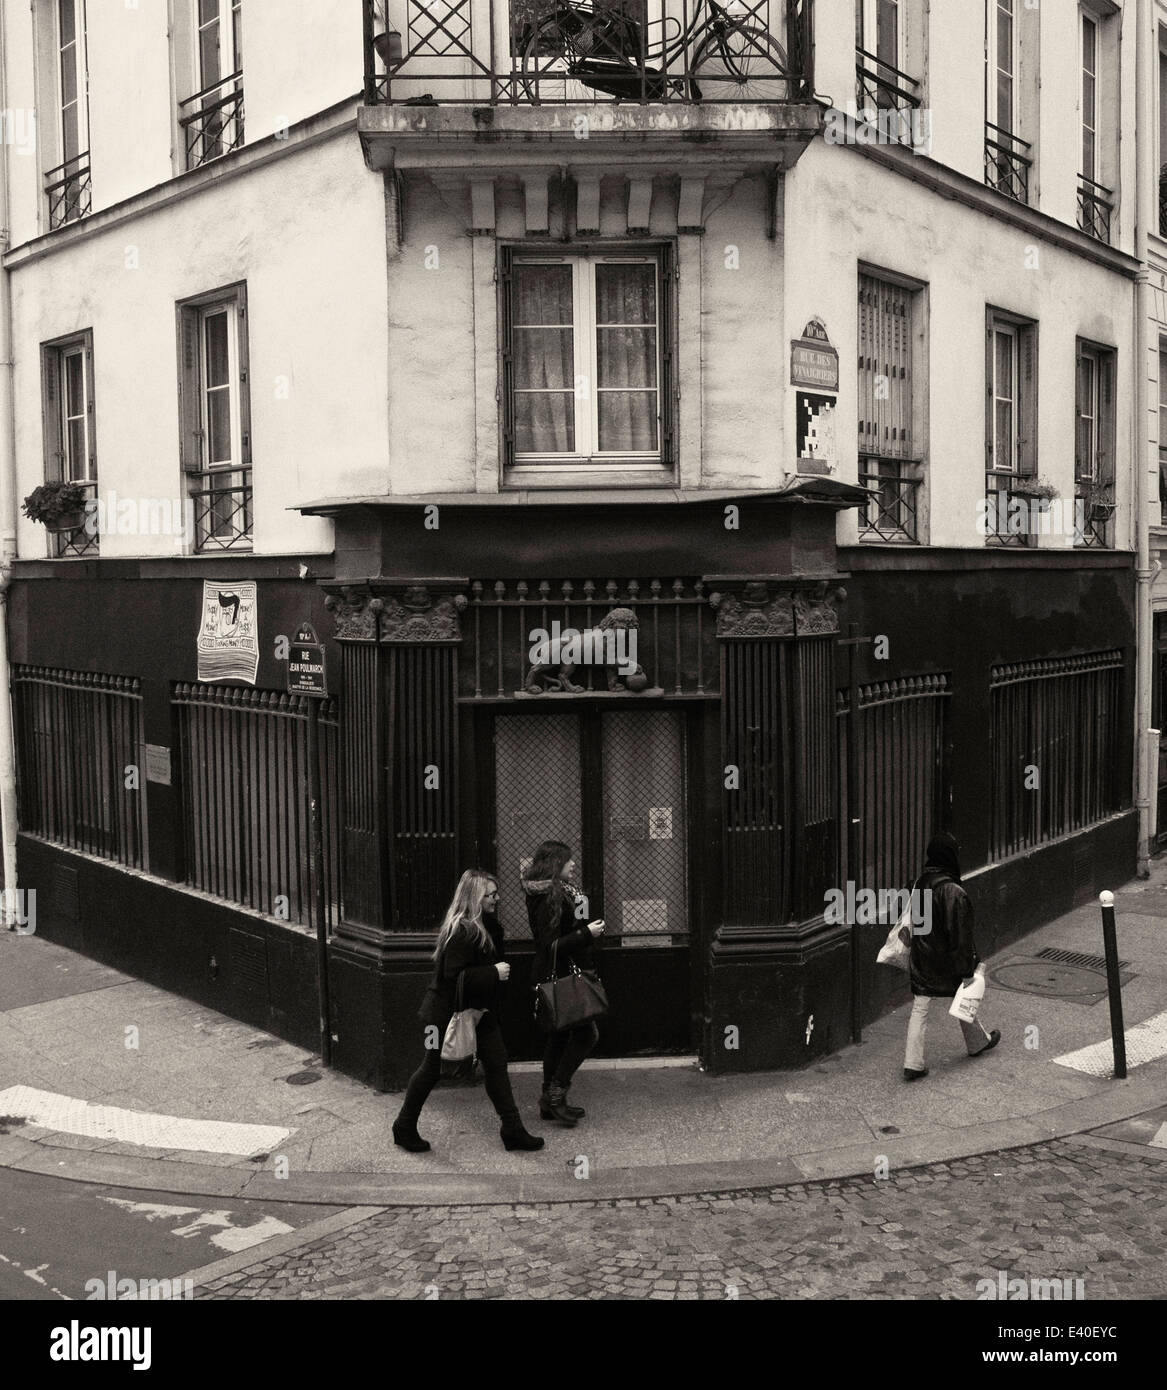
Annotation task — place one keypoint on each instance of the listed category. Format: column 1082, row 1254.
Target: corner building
column 625, row 321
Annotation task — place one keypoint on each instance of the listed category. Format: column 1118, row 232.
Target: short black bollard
column 1113, row 984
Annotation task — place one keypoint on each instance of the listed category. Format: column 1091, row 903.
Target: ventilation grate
column 1078, row 958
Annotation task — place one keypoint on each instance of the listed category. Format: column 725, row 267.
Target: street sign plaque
column 306, row 675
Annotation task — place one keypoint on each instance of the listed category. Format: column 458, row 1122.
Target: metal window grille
column 212, row 121
column 79, row 740
column 537, row 797
column 1054, row 739
column 69, row 188
column 222, row 508
column 903, row 782
column 243, row 768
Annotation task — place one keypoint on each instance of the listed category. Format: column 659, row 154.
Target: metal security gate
column 612, row 786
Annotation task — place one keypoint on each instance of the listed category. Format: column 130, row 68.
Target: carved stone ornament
column 355, row 615
column 417, row 617
column 754, row 613
column 814, row 610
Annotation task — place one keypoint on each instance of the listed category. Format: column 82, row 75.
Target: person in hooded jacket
column 557, row 912
column 469, row 949
column 944, row 957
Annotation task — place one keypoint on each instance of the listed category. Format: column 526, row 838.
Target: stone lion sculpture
column 611, row 644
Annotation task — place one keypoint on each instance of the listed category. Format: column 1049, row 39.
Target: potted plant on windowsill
column 58, row 505
column 1038, row 490
column 1099, row 499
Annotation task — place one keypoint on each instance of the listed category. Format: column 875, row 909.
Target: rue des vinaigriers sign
column 814, row 363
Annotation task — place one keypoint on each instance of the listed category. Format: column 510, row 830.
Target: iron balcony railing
column 212, row 120
column 222, row 500
column 1095, row 207
column 70, row 190
column 1008, row 161
column 1000, row 490
column 533, row 52
column 883, row 87
column 74, row 545
column 1094, row 510
column 892, row 511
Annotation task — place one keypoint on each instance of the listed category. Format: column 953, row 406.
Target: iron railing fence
column 883, row 87
column 531, row 52
column 79, row 739
column 212, row 120
column 892, row 512
column 73, row 545
column 1008, row 161
column 69, row 188
column 903, row 782
column 674, row 636
column 244, row 794
column 1095, row 209
column 222, row 505
column 1054, row 738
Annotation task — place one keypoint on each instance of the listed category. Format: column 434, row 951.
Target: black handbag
column 577, row 998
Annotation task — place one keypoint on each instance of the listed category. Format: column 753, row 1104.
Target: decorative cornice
column 355, row 615
column 409, row 615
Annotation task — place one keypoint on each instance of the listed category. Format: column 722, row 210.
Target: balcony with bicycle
column 69, row 190
column 1008, row 160
column 211, row 121
column 569, row 52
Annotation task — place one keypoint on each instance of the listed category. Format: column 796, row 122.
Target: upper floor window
column 1010, row 421
column 890, row 453
column 212, row 119
column 214, row 398
column 586, row 360
column 1095, row 198
column 883, row 57
column 69, row 437
column 1094, row 442
column 67, row 184
column 1007, row 157
column 1163, row 439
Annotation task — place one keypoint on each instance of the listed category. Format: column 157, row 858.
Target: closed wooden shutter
column 1027, row 404
column 1106, row 421
column 669, row 277
column 885, row 368
column 506, row 372
column 244, row 377
column 189, row 375
column 90, row 422
column 51, row 394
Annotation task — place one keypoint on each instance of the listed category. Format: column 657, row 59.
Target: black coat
column 576, row 943
column 947, row 955
column 463, row 955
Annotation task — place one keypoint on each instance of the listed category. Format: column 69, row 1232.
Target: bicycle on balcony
column 722, row 53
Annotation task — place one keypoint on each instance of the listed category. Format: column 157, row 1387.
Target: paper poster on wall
column 228, row 640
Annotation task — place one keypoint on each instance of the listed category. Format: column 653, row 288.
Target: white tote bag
column 897, row 949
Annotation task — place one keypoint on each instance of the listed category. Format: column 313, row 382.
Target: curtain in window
column 626, row 357
column 544, row 357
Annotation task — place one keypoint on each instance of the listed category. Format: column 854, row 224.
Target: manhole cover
column 1054, row 979
column 302, row 1078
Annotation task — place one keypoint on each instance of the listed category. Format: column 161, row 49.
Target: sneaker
column 994, row 1039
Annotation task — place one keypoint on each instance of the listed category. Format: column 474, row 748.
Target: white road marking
column 71, row 1116
column 1159, row 1139
column 34, row 1274
column 1145, row 1042
column 231, row 1237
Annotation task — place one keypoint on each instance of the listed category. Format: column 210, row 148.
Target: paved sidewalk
column 650, row 1130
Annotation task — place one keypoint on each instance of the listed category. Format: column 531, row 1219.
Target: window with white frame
column 1098, row 63
column 212, row 119
column 67, row 184
column 1001, row 52
column 586, row 358
column 215, row 403
column 1089, row 96
column 70, row 446
column 1010, row 418
column 1094, row 442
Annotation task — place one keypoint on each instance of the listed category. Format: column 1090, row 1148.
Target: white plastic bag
column 967, row 999
column 461, row 1040
column 897, row 949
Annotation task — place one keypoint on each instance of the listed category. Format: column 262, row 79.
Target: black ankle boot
column 553, row 1106
column 514, row 1136
column 577, row 1112
column 405, row 1136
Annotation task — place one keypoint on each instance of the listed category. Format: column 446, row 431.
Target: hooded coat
column 547, row 927
column 944, row 957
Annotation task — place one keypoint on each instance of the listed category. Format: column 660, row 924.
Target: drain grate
column 1078, row 958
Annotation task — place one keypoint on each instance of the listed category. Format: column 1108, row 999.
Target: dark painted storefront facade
column 706, row 808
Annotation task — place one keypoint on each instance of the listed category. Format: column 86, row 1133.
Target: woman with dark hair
column 944, row 956
column 470, row 950
column 558, row 912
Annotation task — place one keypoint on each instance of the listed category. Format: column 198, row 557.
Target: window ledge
column 544, row 477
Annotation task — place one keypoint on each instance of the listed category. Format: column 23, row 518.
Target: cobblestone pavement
column 1053, row 1211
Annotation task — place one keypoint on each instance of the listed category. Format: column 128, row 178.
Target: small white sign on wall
column 660, row 823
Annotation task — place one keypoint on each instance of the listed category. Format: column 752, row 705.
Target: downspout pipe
column 8, row 825
column 1146, row 470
